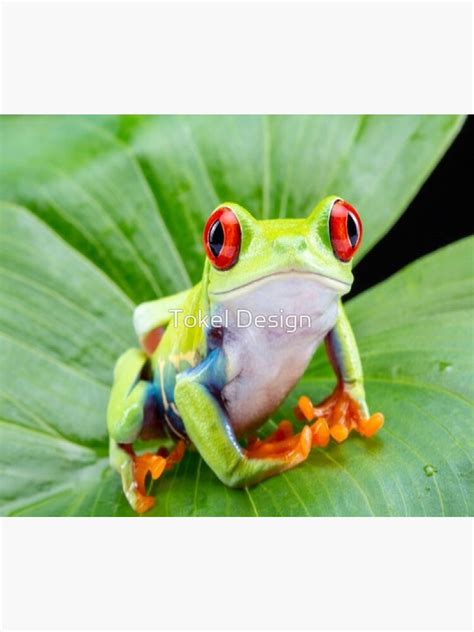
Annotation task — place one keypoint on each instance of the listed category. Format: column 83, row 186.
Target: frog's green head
column 241, row 249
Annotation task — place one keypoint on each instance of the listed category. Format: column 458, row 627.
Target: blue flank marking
column 210, row 372
column 171, row 420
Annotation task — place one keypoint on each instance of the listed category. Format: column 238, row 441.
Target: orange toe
column 148, row 464
column 176, row 455
column 304, row 409
column 368, row 427
column 157, row 467
column 144, row 503
column 302, row 449
column 339, row 432
column 306, row 441
column 292, row 450
column 321, row 434
column 270, row 448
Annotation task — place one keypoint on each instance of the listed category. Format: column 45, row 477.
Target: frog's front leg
column 197, row 396
column 150, row 319
column 125, row 416
column 346, row 408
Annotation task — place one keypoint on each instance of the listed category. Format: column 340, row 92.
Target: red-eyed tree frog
column 217, row 359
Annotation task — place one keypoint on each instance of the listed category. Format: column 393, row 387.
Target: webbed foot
column 282, row 444
column 337, row 416
column 153, row 465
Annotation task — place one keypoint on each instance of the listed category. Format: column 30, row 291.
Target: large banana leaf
column 102, row 213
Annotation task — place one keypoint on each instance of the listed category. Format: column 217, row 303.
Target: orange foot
column 155, row 465
column 282, row 445
column 336, row 417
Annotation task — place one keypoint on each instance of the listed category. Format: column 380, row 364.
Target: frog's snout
column 287, row 245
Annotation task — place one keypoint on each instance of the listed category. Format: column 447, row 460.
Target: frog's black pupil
column 216, row 238
column 352, row 229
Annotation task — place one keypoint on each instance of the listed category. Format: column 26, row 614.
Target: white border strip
column 225, row 58
column 285, row 574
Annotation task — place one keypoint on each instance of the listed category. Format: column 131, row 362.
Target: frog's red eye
column 345, row 230
column 222, row 237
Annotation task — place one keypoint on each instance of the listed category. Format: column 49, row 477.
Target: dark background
column 441, row 213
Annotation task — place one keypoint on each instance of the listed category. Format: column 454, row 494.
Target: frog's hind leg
column 197, row 396
column 126, row 420
column 134, row 470
column 125, row 417
column 124, row 460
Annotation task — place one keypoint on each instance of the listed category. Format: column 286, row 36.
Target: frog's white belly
column 264, row 363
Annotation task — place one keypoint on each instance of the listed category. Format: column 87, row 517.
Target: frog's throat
column 339, row 286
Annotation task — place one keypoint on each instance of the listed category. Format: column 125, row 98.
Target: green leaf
column 102, row 213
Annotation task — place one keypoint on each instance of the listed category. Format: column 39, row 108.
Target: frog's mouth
column 332, row 283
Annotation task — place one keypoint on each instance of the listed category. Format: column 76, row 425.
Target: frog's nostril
column 279, row 245
column 302, row 245
column 289, row 244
